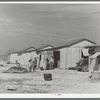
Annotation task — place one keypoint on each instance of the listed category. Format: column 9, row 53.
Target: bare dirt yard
column 63, row 81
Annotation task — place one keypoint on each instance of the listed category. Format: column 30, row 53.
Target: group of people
column 32, row 64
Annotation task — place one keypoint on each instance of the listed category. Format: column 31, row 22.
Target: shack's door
column 56, row 58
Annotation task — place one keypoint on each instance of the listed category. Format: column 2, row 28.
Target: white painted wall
column 23, row 58
column 13, row 58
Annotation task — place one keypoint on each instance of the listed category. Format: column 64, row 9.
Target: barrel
column 47, row 77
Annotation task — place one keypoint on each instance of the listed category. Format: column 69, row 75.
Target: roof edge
column 43, row 47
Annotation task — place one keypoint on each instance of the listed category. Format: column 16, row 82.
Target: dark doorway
column 56, row 58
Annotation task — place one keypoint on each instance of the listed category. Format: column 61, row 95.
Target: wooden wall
column 69, row 56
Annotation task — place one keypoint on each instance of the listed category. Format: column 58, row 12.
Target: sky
column 27, row 25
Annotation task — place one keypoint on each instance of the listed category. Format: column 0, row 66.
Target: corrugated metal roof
column 40, row 48
column 68, row 44
column 73, row 42
column 92, row 46
column 25, row 50
column 32, row 49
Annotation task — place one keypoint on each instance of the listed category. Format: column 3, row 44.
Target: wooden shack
column 68, row 55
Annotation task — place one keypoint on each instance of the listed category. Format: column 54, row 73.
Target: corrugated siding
column 69, row 56
column 74, row 55
column 62, row 58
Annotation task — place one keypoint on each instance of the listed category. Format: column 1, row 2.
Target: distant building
column 23, row 56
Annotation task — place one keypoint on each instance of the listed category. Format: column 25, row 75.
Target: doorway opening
column 56, row 59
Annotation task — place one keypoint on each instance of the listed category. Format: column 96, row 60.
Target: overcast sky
column 25, row 25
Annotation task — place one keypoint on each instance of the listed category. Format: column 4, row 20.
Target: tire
column 85, row 68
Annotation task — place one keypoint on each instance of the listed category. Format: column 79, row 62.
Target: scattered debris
column 15, row 69
column 11, row 88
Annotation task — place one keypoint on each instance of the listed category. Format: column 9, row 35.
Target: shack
column 73, row 52
column 65, row 56
column 68, row 55
column 23, row 56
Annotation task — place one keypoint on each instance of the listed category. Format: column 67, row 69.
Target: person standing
column 47, row 64
column 31, row 65
column 35, row 64
column 51, row 63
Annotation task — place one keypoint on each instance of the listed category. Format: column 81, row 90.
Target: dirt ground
column 63, row 81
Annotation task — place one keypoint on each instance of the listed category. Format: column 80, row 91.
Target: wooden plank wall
column 69, row 56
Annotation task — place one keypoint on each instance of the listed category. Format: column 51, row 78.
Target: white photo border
column 51, row 95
